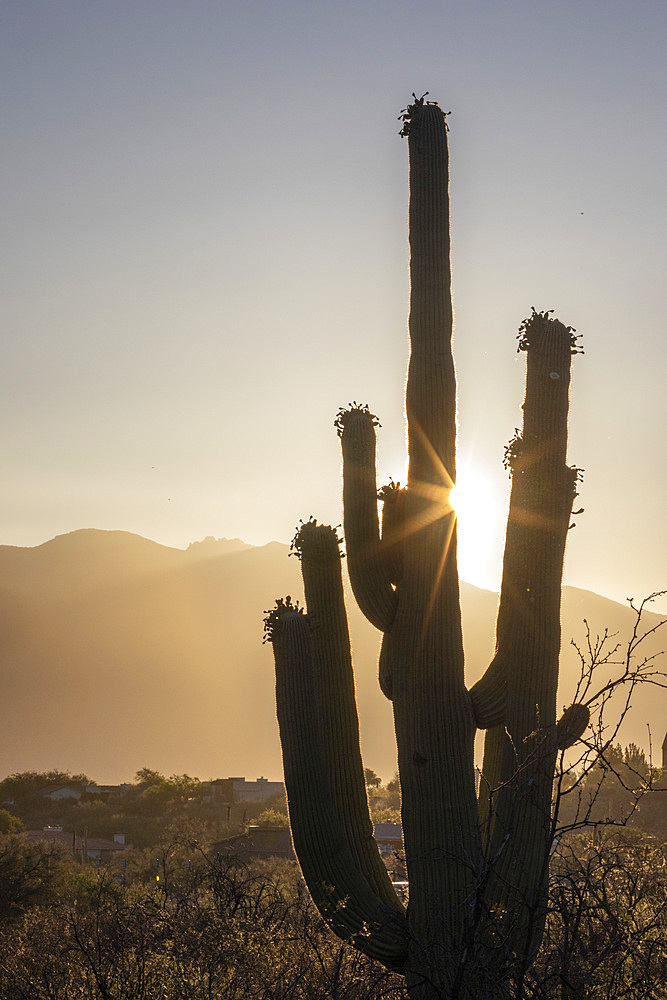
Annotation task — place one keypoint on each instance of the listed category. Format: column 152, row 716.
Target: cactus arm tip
column 571, row 726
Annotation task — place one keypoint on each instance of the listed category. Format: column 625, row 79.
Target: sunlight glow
column 479, row 515
column 470, row 498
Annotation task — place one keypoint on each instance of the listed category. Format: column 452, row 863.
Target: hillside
column 118, row 652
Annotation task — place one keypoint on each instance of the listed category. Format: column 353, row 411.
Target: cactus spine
column 477, row 869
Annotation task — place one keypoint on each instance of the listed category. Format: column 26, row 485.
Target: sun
column 456, row 498
column 467, row 498
column 471, row 496
column 479, row 525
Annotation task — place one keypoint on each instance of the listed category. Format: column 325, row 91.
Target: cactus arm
column 339, row 890
column 520, row 754
column 540, row 507
column 369, row 573
column 525, row 667
column 431, row 388
column 395, row 530
column 394, row 527
column 338, row 732
column 488, row 696
column 385, row 666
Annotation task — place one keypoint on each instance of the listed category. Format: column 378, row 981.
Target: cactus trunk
column 477, row 869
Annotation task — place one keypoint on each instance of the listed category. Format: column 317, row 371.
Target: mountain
column 119, row 653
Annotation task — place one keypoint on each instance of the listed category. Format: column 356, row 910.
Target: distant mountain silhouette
column 120, row 653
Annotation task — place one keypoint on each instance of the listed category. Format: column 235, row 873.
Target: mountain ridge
column 119, row 652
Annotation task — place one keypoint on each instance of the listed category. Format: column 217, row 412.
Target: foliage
column 225, row 931
column 27, row 782
column 604, row 784
column 158, row 791
column 386, row 814
column 140, row 811
column 606, row 935
column 214, row 928
column 27, row 786
column 272, row 818
column 10, row 823
column 30, row 872
column 385, row 801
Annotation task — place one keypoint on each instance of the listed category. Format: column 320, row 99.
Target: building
column 77, row 792
column 82, row 847
column 259, row 843
column 62, row 792
column 389, row 837
column 231, row 790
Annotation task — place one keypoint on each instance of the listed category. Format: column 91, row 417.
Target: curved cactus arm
column 318, row 547
column 489, row 695
column 520, row 754
column 339, row 890
column 386, row 666
column 369, row 574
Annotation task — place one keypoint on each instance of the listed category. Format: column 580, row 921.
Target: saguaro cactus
column 477, row 865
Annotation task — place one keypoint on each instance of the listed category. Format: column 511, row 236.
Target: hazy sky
column 205, row 255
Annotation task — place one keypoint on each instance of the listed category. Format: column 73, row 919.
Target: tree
column 606, row 785
column 606, row 932
column 224, row 931
column 157, row 792
column 10, row 823
column 272, row 818
column 146, row 776
column 478, row 871
column 26, row 786
column 30, row 872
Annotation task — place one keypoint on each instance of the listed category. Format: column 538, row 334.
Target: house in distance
column 231, row 790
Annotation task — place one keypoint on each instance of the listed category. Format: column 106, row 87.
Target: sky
column 205, row 255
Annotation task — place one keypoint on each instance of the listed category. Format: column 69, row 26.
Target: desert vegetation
column 176, row 915
column 207, row 926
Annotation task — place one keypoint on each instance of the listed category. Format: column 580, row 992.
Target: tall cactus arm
column 519, row 755
column 369, row 573
column 339, row 890
column 540, row 506
column 431, row 389
column 318, row 548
